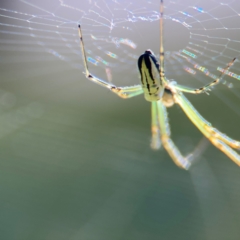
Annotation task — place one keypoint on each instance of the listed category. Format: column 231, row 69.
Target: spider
column 163, row 93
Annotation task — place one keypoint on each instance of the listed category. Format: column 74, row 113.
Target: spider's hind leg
column 218, row 139
column 155, row 141
column 171, row 148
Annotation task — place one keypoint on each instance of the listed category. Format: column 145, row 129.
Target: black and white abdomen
column 150, row 78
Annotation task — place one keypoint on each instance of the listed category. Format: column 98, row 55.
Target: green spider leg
column 208, row 126
column 123, row 92
column 156, row 141
column 161, row 50
column 130, row 93
column 206, row 87
column 171, row 148
column 221, row 141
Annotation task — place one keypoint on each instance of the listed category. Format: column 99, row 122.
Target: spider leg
column 156, row 141
column 223, row 137
column 173, row 151
column 222, row 142
column 206, row 87
column 161, row 60
column 123, row 92
column 129, row 94
column 208, row 126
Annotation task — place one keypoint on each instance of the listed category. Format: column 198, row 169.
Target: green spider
column 163, row 93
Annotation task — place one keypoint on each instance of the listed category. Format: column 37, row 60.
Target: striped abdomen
column 150, row 78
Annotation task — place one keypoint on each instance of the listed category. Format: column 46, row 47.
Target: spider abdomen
column 150, row 78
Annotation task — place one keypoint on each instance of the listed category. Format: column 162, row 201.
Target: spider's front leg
column 123, row 92
column 206, row 88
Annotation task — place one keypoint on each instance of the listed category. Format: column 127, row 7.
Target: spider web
column 200, row 37
column 80, row 152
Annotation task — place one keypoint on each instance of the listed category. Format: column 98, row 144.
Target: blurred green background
column 75, row 161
